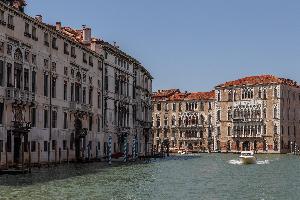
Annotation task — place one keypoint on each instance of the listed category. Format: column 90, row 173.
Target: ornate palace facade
column 63, row 93
column 184, row 120
column 259, row 113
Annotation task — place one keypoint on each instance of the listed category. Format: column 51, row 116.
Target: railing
column 21, row 95
column 80, row 107
column 246, row 135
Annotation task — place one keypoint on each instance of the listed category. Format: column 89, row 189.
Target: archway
column 246, row 146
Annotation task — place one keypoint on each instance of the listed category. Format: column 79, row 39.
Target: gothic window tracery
column 18, row 55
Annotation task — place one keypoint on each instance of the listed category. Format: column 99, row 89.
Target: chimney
column 58, row 26
column 87, row 34
column 39, row 18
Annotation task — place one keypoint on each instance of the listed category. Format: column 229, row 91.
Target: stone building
column 258, row 113
column 184, row 120
column 62, row 92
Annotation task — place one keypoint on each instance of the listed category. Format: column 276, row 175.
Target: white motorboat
column 247, row 157
column 181, row 152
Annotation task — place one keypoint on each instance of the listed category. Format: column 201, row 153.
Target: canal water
column 204, row 176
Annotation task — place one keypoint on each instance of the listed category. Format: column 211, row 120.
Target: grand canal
column 204, row 176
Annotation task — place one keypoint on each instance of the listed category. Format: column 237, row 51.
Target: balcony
column 76, row 106
column 246, row 135
column 14, row 94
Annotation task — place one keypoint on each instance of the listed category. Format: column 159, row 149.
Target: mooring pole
column 29, row 157
column 6, row 155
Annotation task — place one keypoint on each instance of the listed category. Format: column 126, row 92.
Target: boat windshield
column 247, row 154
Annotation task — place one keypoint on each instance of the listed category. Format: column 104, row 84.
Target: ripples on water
column 259, row 162
column 204, row 176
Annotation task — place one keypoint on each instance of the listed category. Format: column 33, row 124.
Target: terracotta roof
column 259, row 80
column 176, row 95
column 161, row 94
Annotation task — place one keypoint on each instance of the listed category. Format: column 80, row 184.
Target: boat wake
column 259, row 162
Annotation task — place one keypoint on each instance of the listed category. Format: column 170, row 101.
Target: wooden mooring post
column 29, row 157
column 39, row 155
column 68, row 155
column 59, row 155
column 55, row 154
column 23, row 155
column 6, row 155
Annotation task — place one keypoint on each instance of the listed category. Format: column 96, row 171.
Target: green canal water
column 204, row 176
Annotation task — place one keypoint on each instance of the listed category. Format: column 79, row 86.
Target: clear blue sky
column 192, row 44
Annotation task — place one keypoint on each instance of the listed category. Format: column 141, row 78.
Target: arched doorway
column 190, row 146
column 246, row 146
column 237, row 144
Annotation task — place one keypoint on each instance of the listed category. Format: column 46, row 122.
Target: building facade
column 259, row 113
column 184, row 120
column 63, row 93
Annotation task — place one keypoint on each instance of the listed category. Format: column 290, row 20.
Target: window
column 9, row 49
column 84, row 57
column 99, row 125
column 53, row 144
column 174, row 107
column 1, row 73
column 54, row 119
column 33, row 117
column 45, row 146
column 1, row 146
column 34, row 34
column 10, row 22
column 91, row 62
column 219, row 115
column 33, row 81
column 73, row 52
column 46, row 85
column 218, row 95
column 2, row 17
column 72, row 91
column 99, row 100
column 66, row 48
column 26, row 79
column 91, row 96
column 65, row 120
column 229, row 131
column 90, row 123
column 46, row 39
column 247, row 93
column 159, row 107
column 1, row 112
column 45, row 118
column 26, row 33
column 65, row 90
column 54, row 43
column 64, row 144
column 275, row 113
column 33, row 146
column 53, row 89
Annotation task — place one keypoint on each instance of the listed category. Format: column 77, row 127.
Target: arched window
column 18, row 55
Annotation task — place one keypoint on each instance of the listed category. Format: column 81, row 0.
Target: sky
column 192, row 45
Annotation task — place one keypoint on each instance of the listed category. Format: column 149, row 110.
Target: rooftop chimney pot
column 39, row 18
column 87, row 34
column 58, row 26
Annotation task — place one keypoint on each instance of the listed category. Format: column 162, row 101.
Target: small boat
column 181, row 152
column 247, row 157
